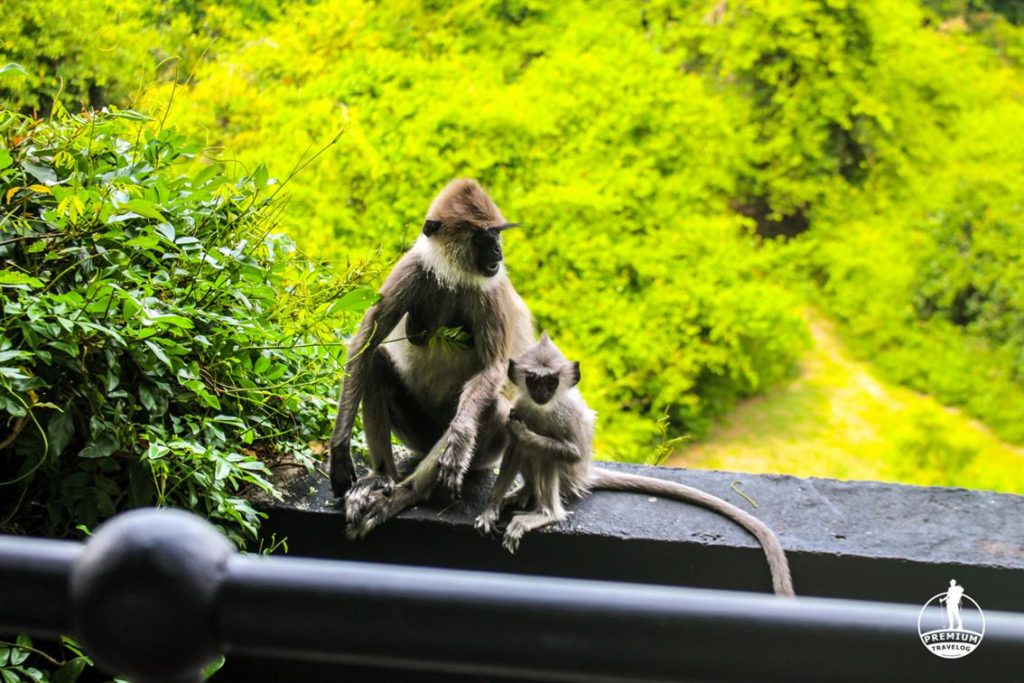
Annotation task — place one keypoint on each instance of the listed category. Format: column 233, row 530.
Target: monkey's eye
column 551, row 383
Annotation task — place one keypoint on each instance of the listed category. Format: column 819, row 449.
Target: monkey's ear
column 431, row 226
column 575, row 373
column 512, row 370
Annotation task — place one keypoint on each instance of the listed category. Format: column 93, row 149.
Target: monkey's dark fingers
column 355, row 522
column 365, row 503
column 451, row 484
column 372, row 515
column 450, row 474
column 357, row 532
column 362, row 494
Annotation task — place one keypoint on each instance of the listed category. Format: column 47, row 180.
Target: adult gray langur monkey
column 551, row 434
column 443, row 402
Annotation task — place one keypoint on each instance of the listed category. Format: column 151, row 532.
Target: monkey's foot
column 515, row 531
column 513, row 534
column 381, row 505
column 373, row 511
column 486, row 522
column 364, row 496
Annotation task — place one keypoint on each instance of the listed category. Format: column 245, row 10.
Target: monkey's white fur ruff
column 449, row 274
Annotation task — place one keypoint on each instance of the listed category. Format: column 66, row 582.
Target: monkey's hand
column 452, row 465
column 486, row 522
column 343, row 471
column 517, row 428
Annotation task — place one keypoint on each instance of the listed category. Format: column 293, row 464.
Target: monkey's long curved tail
column 777, row 562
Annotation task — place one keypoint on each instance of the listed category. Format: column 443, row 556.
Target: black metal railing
column 154, row 595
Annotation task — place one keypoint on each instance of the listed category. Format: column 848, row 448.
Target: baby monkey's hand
column 517, row 427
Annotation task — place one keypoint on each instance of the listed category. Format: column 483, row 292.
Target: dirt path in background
column 837, row 419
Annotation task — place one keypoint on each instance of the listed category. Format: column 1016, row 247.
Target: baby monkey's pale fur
column 551, row 434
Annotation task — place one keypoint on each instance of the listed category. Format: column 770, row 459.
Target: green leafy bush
column 99, row 52
column 95, row 52
column 158, row 343
column 22, row 661
column 971, row 273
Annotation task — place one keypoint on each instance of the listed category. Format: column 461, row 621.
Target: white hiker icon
column 951, row 640
column 952, row 600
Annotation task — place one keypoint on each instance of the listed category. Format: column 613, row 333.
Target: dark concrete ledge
column 848, row 539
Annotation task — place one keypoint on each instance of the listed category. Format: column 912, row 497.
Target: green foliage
column 811, row 81
column 929, row 281
column 98, row 52
column 95, row 51
column 642, row 147
column 158, row 344
column 972, row 274
column 20, row 662
column 23, row 662
column 683, row 336
column 625, row 255
column 633, row 162
column 890, row 133
column 926, row 451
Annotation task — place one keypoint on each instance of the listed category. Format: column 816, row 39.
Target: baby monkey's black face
column 541, row 386
column 542, row 370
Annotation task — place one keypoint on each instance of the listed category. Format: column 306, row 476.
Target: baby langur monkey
column 551, row 434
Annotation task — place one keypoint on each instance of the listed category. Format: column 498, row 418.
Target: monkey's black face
column 541, row 387
column 487, row 251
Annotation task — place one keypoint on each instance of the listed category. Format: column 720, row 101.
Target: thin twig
column 34, row 651
column 22, row 238
column 300, row 165
column 18, row 426
column 291, row 346
column 14, row 509
column 735, row 486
